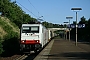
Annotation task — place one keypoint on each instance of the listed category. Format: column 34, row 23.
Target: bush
column 11, row 44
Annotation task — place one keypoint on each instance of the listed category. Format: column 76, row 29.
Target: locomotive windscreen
column 30, row 29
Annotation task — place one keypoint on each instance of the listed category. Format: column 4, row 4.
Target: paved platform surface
column 60, row 49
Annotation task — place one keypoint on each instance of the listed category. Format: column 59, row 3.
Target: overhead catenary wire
column 35, row 8
column 29, row 10
column 26, row 8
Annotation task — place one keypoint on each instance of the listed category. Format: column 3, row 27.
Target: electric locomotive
column 33, row 37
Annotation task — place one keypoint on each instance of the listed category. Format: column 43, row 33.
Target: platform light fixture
column 76, row 10
column 69, row 17
column 66, row 29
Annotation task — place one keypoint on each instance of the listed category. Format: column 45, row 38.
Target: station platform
column 61, row 49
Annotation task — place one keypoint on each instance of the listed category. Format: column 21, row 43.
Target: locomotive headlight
column 37, row 41
column 22, row 41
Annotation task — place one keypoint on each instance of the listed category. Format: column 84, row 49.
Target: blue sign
column 78, row 26
column 81, row 25
column 71, row 26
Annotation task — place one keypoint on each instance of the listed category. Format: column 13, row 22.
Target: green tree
column 14, row 12
column 83, row 20
column 74, row 22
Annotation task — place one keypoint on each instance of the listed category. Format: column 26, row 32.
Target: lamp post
column 69, row 17
column 76, row 10
column 66, row 30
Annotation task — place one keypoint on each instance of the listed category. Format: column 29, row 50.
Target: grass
column 6, row 26
column 9, row 35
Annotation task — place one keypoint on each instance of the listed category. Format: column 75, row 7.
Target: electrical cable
column 26, row 8
column 35, row 8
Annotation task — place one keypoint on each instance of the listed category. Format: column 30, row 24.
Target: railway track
column 28, row 56
column 25, row 56
column 21, row 57
column 10, row 58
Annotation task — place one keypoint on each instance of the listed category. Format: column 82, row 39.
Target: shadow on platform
column 70, row 55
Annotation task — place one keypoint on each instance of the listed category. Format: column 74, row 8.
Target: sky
column 55, row 11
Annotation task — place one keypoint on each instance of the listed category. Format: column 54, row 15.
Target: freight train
column 34, row 37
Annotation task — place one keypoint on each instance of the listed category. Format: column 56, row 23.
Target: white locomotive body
column 33, row 37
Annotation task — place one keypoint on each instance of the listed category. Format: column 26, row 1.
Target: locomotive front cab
column 30, row 38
